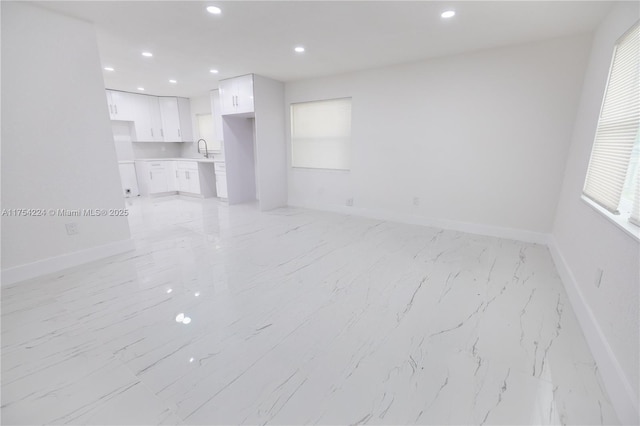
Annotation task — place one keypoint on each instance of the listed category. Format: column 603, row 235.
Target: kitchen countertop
column 199, row 160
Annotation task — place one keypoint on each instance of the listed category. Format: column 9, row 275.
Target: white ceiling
column 259, row 37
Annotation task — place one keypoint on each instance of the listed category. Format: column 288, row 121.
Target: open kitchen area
column 175, row 145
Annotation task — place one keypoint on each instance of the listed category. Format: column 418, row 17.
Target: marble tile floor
column 225, row 315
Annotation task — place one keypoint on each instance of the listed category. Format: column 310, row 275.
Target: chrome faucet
column 206, row 148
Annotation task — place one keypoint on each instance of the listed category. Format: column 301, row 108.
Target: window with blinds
column 321, row 134
column 613, row 176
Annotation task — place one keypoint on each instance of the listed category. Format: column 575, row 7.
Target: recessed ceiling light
column 147, row 54
column 108, row 69
column 213, row 71
column 299, row 49
column 448, row 14
column 173, row 81
column 141, row 89
column 214, row 10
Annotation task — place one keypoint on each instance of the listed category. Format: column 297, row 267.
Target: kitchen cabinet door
column 236, row 95
column 193, row 180
column 221, row 185
column 227, row 91
column 172, row 175
column 244, row 95
column 122, row 105
column 155, row 118
column 158, row 179
column 142, row 119
column 170, row 119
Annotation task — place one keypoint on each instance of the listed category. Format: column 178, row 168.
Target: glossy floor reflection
column 224, row 315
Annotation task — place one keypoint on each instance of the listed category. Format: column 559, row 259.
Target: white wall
column 57, row 149
column 199, row 105
column 143, row 150
column 270, row 146
column 480, row 138
column 586, row 241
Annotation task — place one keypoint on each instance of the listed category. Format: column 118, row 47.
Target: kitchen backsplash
column 157, row 149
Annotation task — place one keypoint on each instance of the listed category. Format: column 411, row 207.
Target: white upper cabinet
column 142, row 119
column 121, row 105
column 170, row 119
column 155, row 119
column 176, row 119
column 153, row 104
column 236, row 95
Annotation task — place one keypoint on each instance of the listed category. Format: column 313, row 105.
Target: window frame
column 292, row 139
column 619, row 218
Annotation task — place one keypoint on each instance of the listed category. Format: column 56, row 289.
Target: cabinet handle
column 180, row 135
column 151, row 175
column 176, row 174
column 162, row 133
column 187, row 174
column 110, row 109
column 152, row 133
column 116, row 109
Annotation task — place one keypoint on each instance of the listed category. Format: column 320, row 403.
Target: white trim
column 64, row 261
column 620, row 221
column 620, row 391
column 471, row 228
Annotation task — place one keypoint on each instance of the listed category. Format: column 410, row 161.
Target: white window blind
column 617, row 132
column 321, row 134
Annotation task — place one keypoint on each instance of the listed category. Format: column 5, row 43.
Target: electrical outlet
column 72, row 228
column 599, row 273
column 349, row 202
column 416, row 201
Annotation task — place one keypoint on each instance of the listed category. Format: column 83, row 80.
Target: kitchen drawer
column 157, row 164
column 220, row 167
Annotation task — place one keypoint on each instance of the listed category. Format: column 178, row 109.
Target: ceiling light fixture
column 213, row 71
column 448, row 14
column 147, row 54
column 108, row 69
column 173, row 81
column 214, row 10
column 141, row 89
column 299, row 49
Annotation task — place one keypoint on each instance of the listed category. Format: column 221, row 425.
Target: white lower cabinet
column 221, row 185
column 172, row 176
column 168, row 176
column 188, row 177
column 221, row 179
column 158, row 177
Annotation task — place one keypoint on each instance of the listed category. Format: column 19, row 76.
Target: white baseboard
column 620, row 391
column 471, row 228
column 68, row 260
